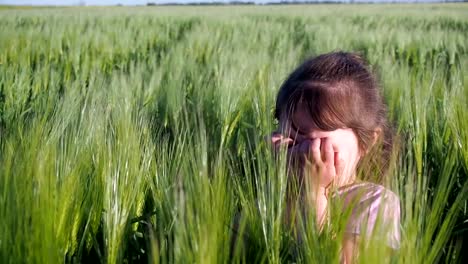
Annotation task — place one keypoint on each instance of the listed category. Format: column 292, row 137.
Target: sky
column 141, row 2
column 96, row 2
column 74, row 2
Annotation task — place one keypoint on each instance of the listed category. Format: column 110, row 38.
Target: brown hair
column 340, row 90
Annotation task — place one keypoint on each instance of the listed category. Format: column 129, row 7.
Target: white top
column 374, row 209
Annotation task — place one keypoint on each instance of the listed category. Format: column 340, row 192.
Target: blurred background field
column 135, row 134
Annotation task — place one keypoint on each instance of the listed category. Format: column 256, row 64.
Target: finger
column 285, row 141
column 277, row 138
column 327, row 152
column 339, row 163
column 315, row 149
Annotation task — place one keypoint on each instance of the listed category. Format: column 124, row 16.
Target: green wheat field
column 137, row 134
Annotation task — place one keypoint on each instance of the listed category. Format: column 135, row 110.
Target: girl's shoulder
column 366, row 192
column 370, row 206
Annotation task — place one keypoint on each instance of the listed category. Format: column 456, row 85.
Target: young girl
column 333, row 123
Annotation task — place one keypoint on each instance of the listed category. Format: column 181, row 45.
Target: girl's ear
column 377, row 134
column 375, row 137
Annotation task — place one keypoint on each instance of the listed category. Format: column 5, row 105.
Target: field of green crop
column 137, row 134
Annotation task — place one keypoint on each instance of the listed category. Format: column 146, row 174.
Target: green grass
column 136, row 134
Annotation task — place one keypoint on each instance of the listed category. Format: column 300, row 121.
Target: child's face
column 344, row 141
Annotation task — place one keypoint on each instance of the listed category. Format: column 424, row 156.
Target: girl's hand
column 322, row 162
column 313, row 158
column 277, row 140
